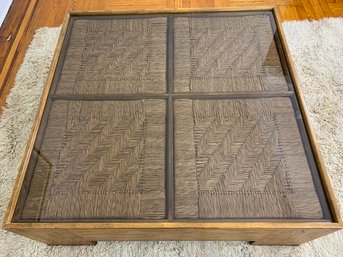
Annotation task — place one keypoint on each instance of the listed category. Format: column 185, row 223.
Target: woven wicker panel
column 107, row 56
column 100, row 159
column 226, row 54
column 241, row 159
column 100, row 153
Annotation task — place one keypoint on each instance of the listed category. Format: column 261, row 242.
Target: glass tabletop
column 171, row 117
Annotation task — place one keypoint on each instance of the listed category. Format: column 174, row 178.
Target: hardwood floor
column 50, row 13
column 8, row 31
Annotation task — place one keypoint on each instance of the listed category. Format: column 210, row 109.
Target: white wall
column 4, row 6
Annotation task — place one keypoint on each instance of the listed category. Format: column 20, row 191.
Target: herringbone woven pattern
column 111, row 56
column 241, row 158
column 101, row 163
column 230, row 54
column 105, row 151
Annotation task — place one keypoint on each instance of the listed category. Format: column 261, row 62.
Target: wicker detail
column 228, row 54
column 115, row 56
column 100, row 161
column 101, row 154
column 247, row 161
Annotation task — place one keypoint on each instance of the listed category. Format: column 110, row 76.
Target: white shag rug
column 317, row 50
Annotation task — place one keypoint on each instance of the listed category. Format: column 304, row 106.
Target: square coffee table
column 172, row 126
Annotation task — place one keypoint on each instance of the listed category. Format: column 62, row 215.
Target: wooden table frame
column 278, row 232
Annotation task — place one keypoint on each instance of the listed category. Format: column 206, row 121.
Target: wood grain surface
column 10, row 27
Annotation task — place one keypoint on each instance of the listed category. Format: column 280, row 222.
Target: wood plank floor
column 50, row 13
column 10, row 28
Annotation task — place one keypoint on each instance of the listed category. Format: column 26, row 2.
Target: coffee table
column 172, row 126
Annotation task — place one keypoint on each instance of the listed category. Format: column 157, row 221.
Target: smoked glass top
column 171, row 117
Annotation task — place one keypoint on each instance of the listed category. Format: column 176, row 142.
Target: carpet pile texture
column 317, row 52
